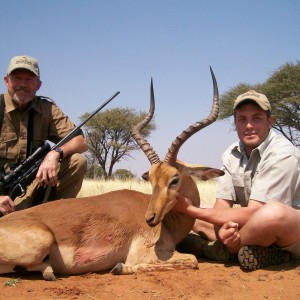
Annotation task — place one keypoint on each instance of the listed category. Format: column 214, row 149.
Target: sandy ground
column 210, row 281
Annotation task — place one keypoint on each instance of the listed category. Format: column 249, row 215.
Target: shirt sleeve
column 60, row 126
column 276, row 179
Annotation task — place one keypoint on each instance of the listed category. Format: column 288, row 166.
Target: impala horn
column 136, row 131
column 171, row 156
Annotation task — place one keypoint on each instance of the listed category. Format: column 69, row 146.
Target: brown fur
column 98, row 233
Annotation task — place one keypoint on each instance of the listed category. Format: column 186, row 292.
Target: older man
column 262, row 176
column 26, row 121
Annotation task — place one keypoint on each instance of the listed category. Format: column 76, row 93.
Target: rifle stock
column 14, row 184
column 19, row 186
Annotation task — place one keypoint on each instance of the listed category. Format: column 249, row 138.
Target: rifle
column 16, row 181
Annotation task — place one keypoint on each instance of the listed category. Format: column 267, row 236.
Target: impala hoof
column 49, row 277
column 117, row 269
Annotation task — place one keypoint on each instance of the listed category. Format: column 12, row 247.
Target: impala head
column 169, row 177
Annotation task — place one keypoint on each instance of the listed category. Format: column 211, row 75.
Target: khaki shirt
column 49, row 123
column 272, row 173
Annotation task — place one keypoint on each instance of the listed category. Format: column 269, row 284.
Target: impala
column 109, row 231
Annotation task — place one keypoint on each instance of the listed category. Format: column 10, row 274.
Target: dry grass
column 92, row 187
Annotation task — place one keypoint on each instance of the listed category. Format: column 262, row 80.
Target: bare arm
column 77, row 144
column 220, row 214
column 48, row 170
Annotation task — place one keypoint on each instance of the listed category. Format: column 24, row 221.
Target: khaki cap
column 24, row 62
column 258, row 98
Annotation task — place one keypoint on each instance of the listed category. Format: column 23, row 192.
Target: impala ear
column 145, row 176
column 205, row 173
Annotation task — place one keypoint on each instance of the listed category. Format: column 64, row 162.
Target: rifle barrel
column 83, row 122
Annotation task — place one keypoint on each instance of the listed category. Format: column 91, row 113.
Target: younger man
column 262, row 175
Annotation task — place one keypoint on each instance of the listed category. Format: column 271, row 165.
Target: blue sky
column 88, row 50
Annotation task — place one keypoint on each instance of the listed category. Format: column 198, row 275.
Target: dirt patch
column 210, row 281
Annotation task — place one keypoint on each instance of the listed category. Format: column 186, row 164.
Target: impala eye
column 174, row 181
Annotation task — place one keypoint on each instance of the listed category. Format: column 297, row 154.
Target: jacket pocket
column 8, row 146
column 239, row 187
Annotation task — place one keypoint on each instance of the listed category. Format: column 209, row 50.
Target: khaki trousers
column 70, row 176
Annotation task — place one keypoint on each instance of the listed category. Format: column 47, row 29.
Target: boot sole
column 256, row 257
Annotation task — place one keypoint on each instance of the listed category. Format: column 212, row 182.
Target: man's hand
column 6, row 205
column 47, row 173
column 230, row 236
column 182, row 204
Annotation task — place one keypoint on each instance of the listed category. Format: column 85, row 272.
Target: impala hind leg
column 26, row 250
column 43, row 267
column 46, row 270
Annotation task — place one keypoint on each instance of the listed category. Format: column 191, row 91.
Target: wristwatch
column 61, row 153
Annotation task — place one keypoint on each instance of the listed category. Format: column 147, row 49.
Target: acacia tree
column 94, row 171
column 283, row 91
column 109, row 136
column 123, row 174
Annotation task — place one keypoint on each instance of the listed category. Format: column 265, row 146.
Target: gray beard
column 19, row 103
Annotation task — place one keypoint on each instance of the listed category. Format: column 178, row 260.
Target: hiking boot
column 217, row 251
column 256, row 257
column 192, row 244
column 200, row 247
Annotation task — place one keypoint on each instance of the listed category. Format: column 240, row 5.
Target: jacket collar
column 10, row 105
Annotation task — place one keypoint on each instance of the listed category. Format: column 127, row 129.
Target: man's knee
column 269, row 216
column 79, row 162
column 274, row 212
column 73, row 165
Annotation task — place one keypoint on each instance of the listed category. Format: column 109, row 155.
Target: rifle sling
column 2, row 109
column 30, row 132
